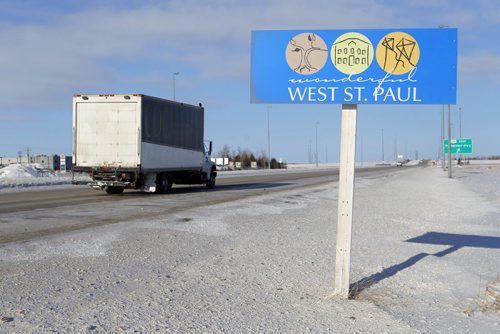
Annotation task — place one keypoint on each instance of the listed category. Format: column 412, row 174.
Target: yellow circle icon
column 397, row 53
column 352, row 53
column 306, row 53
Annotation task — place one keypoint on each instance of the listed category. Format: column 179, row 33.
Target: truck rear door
column 107, row 132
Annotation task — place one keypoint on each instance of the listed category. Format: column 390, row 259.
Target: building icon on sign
column 352, row 53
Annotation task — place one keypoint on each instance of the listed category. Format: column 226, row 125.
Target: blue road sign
column 382, row 66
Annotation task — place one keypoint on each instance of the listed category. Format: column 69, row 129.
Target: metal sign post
column 345, row 200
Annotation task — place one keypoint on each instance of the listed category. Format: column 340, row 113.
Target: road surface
column 32, row 214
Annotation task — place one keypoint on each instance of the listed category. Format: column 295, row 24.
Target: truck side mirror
column 210, row 148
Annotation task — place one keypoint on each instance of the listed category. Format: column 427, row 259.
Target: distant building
column 50, row 162
column 221, row 163
column 5, row 161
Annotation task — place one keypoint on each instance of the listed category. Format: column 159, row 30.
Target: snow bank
column 22, row 176
column 484, row 162
column 16, row 171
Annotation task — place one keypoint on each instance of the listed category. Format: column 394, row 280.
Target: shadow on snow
column 453, row 241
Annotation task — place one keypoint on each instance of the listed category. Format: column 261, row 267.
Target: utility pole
column 442, row 138
column 28, row 154
column 309, row 153
column 383, row 158
column 449, row 142
column 460, row 122
column 395, row 148
column 361, row 144
column 268, row 141
column 443, row 26
column 173, row 81
column 460, row 126
column 316, row 144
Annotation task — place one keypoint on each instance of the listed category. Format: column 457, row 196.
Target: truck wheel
column 163, row 183
column 211, row 182
column 114, row 190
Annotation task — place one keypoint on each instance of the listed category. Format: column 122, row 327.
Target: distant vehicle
column 141, row 142
column 400, row 161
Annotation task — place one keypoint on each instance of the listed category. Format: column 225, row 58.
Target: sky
column 51, row 50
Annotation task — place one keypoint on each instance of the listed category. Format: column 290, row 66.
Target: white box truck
column 135, row 141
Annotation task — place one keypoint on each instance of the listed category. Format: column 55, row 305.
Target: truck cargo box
column 135, row 130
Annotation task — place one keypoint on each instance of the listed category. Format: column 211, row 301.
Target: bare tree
column 225, row 152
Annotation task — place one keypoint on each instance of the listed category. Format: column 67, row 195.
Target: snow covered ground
column 424, row 250
column 18, row 177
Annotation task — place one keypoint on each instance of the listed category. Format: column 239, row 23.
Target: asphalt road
column 32, row 214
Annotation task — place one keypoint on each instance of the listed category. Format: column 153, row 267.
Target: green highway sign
column 458, row 146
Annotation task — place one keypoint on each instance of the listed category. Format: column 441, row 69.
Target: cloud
column 482, row 66
column 82, row 50
column 92, row 48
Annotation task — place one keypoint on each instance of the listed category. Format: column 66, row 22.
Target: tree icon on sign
column 306, row 53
